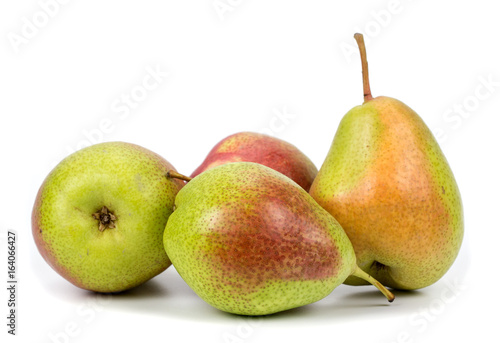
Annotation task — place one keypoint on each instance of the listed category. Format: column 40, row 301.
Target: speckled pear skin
column 250, row 241
column 387, row 182
column 131, row 182
column 263, row 149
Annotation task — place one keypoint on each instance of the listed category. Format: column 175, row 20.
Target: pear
column 267, row 150
column 99, row 216
column 248, row 240
column 387, row 182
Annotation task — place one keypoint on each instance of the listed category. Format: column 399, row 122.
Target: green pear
column 249, row 240
column 387, row 182
column 99, row 216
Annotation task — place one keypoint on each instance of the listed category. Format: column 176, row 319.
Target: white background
column 62, row 80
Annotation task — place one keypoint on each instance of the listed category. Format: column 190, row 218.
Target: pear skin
column 387, row 182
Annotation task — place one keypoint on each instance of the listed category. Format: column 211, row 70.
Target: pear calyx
column 106, row 219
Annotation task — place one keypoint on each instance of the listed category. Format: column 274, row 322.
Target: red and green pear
column 263, row 149
column 248, row 240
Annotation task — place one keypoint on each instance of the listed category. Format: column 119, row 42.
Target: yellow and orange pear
column 387, row 182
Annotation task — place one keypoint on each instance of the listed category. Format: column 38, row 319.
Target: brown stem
column 175, row 175
column 365, row 276
column 364, row 66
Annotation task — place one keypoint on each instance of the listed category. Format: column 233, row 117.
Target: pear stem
column 365, row 276
column 364, row 66
column 175, row 175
